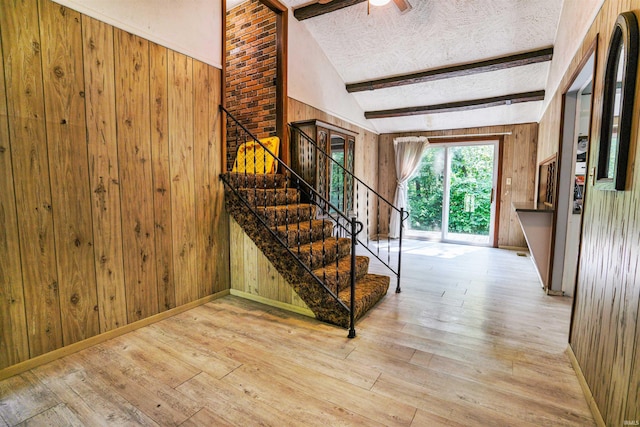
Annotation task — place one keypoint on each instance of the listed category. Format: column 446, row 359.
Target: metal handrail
column 355, row 226
column 404, row 215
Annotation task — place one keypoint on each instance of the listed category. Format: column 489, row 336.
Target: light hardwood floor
column 471, row 341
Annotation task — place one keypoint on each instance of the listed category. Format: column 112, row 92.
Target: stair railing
column 255, row 198
column 368, row 212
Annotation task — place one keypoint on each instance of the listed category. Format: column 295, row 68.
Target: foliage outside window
column 471, row 181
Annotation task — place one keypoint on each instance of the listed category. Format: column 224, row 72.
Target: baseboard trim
column 514, row 248
column 595, row 411
column 273, row 303
column 21, row 367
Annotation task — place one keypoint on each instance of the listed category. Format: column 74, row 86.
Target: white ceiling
column 437, row 33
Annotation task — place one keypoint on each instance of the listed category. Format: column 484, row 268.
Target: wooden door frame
column 282, row 46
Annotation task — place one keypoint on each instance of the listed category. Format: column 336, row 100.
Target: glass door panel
column 336, row 173
column 471, row 176
column 425, row 195
column 450, row 198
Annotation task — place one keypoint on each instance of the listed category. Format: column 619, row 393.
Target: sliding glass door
column 451, row 198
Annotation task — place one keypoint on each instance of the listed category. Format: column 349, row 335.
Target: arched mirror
column 618, row 99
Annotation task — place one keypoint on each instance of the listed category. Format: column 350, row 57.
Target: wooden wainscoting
column 111, row 209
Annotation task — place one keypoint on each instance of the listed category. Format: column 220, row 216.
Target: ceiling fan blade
column 403, row 5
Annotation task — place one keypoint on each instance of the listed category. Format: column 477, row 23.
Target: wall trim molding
column 595, row 411
column 273, row 303
column 21, row 367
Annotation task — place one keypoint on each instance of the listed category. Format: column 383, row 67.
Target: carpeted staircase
column 309, row 240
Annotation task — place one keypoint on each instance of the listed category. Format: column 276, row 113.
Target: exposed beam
column 317, row 9
column 457, row 106
column 495, row 64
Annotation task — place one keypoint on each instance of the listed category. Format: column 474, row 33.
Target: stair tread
column 288, row 207
column 338, row 274
column 369, row 290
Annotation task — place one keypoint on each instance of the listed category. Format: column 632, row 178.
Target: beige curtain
column 408, row 152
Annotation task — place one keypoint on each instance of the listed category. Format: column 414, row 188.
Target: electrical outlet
column 509, row 181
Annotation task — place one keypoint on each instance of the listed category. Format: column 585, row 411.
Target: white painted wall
column 575, row 20
column 192, row 27
column 314, row 81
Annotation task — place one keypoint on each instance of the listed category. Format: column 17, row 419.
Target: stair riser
column 343, row 278
column 241, row 180
column 258, row 198
column 318, row 258
column 295, row 236
column 290, row 215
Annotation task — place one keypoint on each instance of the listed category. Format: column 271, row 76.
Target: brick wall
column 251, row 71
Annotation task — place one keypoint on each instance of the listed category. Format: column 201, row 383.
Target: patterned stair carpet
column 307, row 238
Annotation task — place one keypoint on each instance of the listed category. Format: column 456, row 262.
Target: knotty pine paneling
column 13, row 343
column 62, row 65
column 518, row 163
column 604, row 332
column 19, row 28
column 104, row 178
column 365, row 159
column 136, row 181
column 109, row 159
column 158, row 99
column 182, row 176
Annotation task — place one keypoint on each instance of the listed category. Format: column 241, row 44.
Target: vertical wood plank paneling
column 250, row 266
column 86, row 202
column 204, row 179
column 236, row 243
column 25, row 108
column 219, row 240
column 158, row 92
column 136, row 185
column 14, row 344
column 504, row 231
column 183, row 210
column 61, row 33
column 285, row 292
column 268, row 277
column 104, row 179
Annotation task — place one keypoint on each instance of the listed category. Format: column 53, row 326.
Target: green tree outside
column 471, row 181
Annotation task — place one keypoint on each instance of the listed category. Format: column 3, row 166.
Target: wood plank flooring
column 471, row 340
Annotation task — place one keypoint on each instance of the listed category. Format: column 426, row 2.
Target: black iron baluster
column 352, row 302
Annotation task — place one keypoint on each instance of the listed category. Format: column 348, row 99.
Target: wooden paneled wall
column 518, row 164
column 366, row 152
column 111, row 209
column 605, row 333
column 254, row 277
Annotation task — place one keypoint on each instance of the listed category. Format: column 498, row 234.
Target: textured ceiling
column 437, row 33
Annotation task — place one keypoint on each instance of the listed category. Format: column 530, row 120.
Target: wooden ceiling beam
column 457, row 106
column 495, row 64
column 317, row 9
